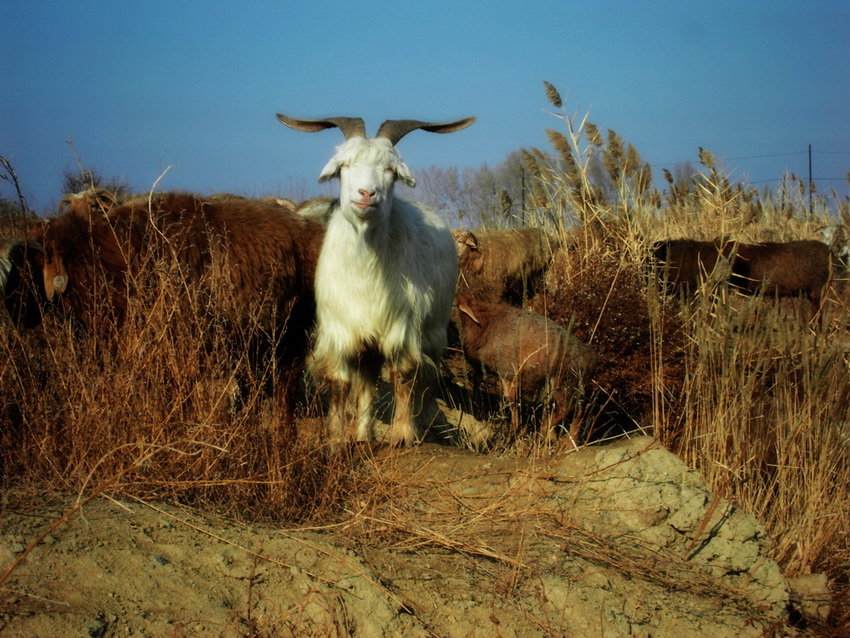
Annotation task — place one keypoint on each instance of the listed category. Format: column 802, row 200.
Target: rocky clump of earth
column 619, row 540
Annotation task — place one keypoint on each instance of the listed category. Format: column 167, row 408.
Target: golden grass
column 174, row 405
column 757, row 400
column 742, row 388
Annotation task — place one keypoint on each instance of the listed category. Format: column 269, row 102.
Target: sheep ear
column 55, row 278
column 465, row 309
column 350, row 126
column 394, row 130
column 470, row 240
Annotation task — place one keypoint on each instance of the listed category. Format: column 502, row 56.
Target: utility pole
column 522, row 190
column 811, row 210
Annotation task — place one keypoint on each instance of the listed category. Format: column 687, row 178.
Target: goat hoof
column 402, row 441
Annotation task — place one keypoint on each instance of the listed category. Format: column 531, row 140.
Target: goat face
column 367, row 171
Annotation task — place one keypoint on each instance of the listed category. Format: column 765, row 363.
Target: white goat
column 385, row 279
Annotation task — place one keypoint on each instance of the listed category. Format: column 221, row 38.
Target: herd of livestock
column 369, row 283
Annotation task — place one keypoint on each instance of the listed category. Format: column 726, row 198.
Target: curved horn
column 394, row 130
column 350, row 126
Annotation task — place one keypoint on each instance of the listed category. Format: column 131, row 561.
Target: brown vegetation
column 756, row 403
column 248, row 265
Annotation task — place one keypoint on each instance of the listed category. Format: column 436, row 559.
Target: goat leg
column 401, row 430
column 339, row 391
column 363, row 390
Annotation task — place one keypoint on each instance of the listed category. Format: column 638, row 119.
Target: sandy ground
column 622, row 540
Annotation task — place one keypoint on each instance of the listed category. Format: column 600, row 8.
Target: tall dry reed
column 743, row 389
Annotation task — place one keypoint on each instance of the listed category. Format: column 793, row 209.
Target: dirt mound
column 615, row 540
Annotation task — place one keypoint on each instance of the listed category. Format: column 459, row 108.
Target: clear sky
column 194, row 85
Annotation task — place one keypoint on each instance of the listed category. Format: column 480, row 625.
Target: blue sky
column 194, row 85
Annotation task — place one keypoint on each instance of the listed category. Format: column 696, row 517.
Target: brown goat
column 253, row 262
column 503, row 265
column 533, row 356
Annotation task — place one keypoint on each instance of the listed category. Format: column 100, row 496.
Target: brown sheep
column 533, row 356
column 254, row 263
column 687, row 262
column 783, row 269
column 89, row 201
column 503, row 265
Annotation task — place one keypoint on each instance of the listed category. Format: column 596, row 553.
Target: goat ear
column 403, row 173
column 330, row 170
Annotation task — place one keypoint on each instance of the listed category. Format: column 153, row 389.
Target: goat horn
column 350, row 126
column 394, row 130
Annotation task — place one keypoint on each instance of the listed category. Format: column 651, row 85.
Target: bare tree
column 76, row 182
column 8, row 174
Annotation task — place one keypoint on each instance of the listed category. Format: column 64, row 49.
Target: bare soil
column 617, row 540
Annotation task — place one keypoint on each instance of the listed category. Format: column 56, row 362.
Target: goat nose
column 365, row 194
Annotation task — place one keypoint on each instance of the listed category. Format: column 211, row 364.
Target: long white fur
column 385, row 279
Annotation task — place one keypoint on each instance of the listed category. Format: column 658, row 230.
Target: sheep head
column 22, row 287
column 51, row 258
column 368, row 168
column 88, row 202
column 835, row 237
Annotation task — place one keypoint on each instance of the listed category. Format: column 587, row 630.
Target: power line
column 769, row 155
column 781, row 179
column 764, row 156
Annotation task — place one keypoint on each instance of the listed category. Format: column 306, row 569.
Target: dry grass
column 171, row 408
column 177, row 404
column 741, row 388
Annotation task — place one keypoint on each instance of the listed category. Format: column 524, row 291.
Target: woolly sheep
column 254, row 260
column 687, row 262
column 503, row 265
column 533, row 356
column 800, row 268
column 785, row 269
